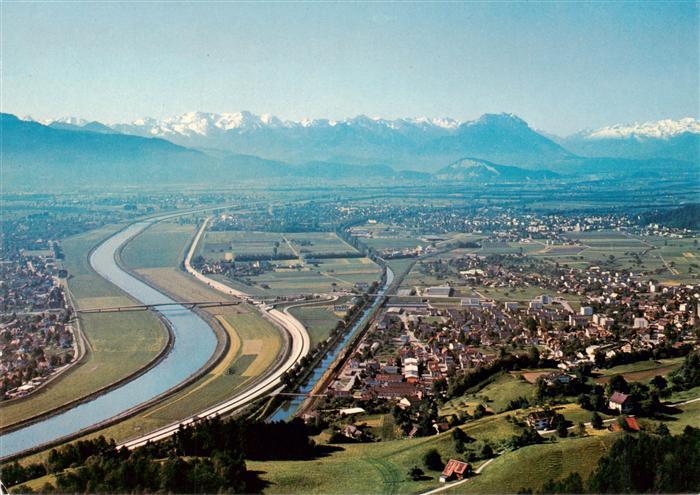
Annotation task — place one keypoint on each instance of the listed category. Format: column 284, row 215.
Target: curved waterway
column 195, row 342
column 289, row 408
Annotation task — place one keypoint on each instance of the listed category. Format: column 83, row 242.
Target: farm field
column 667, row 260
column 215, row 243
column 393, row 242
column 296, row 245
column 337, row 265
column 317, row 243
column 326, row 276
column 385, row 236
column 641, row 371
column 118, row 343
column 319, row 319
column 161, row 245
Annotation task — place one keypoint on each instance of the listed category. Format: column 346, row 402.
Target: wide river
column 195, row 343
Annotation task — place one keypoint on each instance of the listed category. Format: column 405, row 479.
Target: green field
column 494, row 393
column 312, row 243
column 329, row 275
column 161, row 245
column 295, row 276
column 245, row 243
column 216, row 243
column 641, row 371
column 319, row 320
column 690, row 416
column 532, row 466
column 384, row 236
column 374, row 467
column 119, row 343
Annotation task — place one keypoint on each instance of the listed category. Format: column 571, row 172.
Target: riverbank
column 191, row 352
column 97, row 370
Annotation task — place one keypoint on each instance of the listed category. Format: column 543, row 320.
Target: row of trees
column 206, row 457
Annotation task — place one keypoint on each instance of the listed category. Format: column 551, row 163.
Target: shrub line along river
column 289, row 408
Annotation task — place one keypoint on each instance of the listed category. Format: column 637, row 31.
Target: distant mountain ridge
column 412, row 143
column 660, row 129
column 678, row 139
column 68, row 155
column 499, row 147
column 420, row 144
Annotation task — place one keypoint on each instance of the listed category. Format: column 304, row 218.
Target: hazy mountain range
column 407, row 143
column 203, row 147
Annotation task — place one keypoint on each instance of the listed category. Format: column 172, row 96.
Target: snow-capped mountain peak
column 660, row 129
column 77, row 121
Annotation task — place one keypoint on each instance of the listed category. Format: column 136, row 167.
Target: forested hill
column 685, row 217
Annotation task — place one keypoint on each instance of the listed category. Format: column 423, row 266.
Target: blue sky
column 560, row 66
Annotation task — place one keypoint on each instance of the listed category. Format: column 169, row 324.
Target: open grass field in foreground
column 532, row 466
column 119, row 343
column 374, row 467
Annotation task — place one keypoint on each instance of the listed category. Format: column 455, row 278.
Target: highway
column 300, row 344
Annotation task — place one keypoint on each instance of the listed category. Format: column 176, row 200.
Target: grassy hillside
column 374, row 467
column 532, row 466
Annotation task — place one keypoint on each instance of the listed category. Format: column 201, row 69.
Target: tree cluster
column 205, row 457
